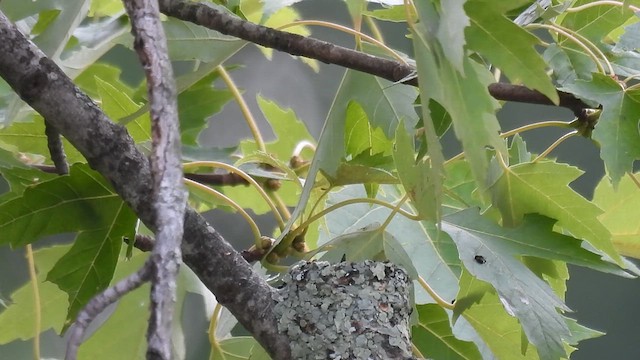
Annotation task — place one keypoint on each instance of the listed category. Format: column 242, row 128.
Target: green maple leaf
column 507, row 45
column 82, row 202
column 360, row 137
column 419, row 179
column 434, row 338
column 463, row 94
column 290, row 132
column 489, row 253
column 543, row 188
column 197, row 104
column 188, row 41
column 29, row 137
column 16, row 321
column 485, row 312
column 620, row 214
column 117, row 104
column 617, row 128
column 385, row 103
column 451, row 31
column 596, row 22
column 533, row 237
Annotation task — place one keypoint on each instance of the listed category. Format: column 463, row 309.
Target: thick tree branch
column 294, row 44
column 170, row 196
column 110, row 150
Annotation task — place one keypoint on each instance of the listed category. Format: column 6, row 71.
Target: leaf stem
column 538, row 125
column 374, row 28
column 394, row 211
column 252, row 224
column 592, row 45
column 244, row 108
column 304, row 144
column 348, row 30
column 284, row 210
column 244, row 175
column 573, row 38
column 600, row 3
column 315, row 205
column 440, row 301
column 213, row 323
column 37, row 323
column 554, row 145
column 334, row 207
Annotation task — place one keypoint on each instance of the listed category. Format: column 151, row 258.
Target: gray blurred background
column 600, row 301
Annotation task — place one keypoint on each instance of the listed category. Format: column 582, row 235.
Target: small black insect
column 480, row 259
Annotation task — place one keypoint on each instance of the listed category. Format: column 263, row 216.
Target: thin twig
column 56, row 149
column 142, row 242
column 100, row 302
column 169, row 193
column 145, row 243
column 224, row 179
column 294, row 44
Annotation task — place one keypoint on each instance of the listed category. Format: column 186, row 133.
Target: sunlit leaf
column 105, row 7
column 117, row 105
column 16, row 321
column 543, row 188
column 97, row 73
column 360, row 136
column 620, row 212
column 595, row 22
column 290, row 132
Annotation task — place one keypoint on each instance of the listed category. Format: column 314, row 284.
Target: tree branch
column 110, row 150
column 56, row 149
column 100, row 302
column 224, row 179
column 294, row 44
column 170, row 195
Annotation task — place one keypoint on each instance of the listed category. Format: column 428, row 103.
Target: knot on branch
column 346, row 310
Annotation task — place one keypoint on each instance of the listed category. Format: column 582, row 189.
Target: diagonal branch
column 294, row 44
column 110, row 150
column 99, row 303
column 170, row 196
